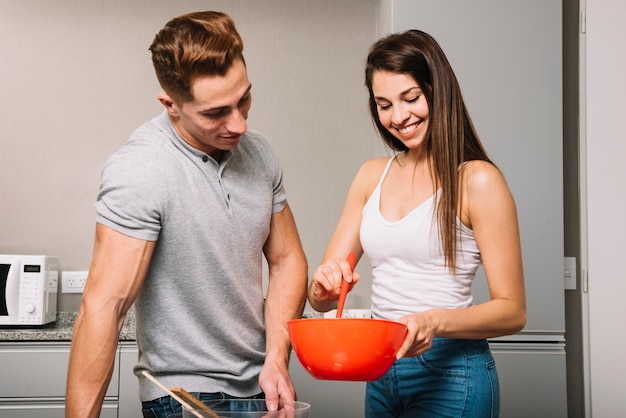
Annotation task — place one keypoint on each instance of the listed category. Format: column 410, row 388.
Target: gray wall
column 76, row 79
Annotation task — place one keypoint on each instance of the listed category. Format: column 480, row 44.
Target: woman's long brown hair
column 451, row 138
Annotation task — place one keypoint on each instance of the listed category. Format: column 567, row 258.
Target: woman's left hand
column 422, row 330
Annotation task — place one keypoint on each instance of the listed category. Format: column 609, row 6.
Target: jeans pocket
column 149, row 413
column 444, row 360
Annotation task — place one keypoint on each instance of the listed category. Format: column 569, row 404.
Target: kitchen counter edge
column 60, row 330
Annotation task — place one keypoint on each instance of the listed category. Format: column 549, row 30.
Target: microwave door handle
column 13, row 290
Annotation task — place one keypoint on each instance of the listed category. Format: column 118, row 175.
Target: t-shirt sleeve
column 130, row 197
column 274, row 170
column 280, row 194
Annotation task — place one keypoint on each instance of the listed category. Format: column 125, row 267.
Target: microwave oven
column 28, row 289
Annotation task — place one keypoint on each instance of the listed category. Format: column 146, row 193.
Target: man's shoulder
column 147, row 140
column 257, row 145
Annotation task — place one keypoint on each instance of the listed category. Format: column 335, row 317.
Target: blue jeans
column 167, row 407
column 454, row 379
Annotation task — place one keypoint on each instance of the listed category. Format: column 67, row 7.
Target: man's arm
column 286, row 295
column 117, row 270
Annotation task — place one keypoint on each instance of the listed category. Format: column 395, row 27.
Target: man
column 186, row 209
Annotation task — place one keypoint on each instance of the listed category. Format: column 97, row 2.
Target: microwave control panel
column 31, row 301
column 38, row 288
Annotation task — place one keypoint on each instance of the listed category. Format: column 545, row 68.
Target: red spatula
column 343, row 292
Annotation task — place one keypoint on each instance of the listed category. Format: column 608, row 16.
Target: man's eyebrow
column 218, row 108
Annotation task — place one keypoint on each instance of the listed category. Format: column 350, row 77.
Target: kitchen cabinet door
column 531, row 379
column 129, row 404
column 46, row 409
column 31, row 370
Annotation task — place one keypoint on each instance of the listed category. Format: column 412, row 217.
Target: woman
column 426, row 218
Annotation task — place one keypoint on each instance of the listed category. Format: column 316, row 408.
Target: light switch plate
column 569, row 273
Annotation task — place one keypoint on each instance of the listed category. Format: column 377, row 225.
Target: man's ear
column 168, row 103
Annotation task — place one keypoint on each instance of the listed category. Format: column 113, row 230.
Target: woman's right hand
column 326, row 284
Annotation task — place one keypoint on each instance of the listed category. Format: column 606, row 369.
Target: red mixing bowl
column 356, row 349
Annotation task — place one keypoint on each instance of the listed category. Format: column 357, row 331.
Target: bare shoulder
column 369, row 175
column 367, row 178
column 486, row 194
column 374, row 167
column 481, row 176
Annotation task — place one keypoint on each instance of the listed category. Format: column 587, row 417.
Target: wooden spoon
column 186, row 399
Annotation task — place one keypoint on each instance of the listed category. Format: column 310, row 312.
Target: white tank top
column 408, row 269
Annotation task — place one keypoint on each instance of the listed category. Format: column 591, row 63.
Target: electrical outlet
column 73, row 281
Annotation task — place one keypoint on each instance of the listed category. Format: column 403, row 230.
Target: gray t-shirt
column 199, row 313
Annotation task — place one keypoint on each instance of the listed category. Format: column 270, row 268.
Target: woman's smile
column 410, row 128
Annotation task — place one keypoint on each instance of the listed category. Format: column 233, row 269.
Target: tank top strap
column 382, row 177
